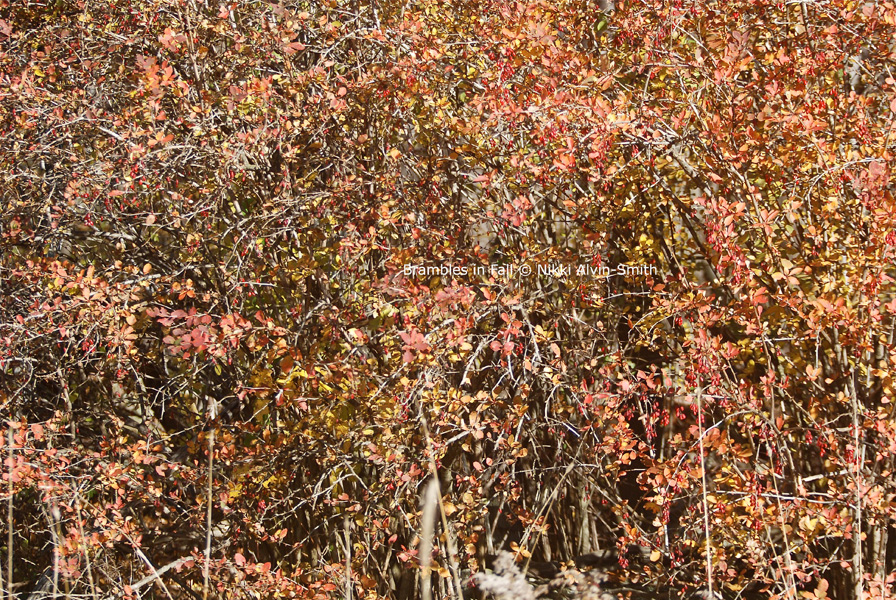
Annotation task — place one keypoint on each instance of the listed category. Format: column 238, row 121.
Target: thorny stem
column 705, row 502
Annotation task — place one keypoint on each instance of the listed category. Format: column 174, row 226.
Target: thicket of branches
column 220, row 379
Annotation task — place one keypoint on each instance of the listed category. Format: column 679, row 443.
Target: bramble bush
column 217, row 379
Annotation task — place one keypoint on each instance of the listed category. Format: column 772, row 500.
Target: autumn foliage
column 221, row 377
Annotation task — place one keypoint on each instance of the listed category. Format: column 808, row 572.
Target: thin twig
column 9, row 509
column 858, row 567
column 703, row 490
column 93, row 590
column 208, row 518
column 348, row 558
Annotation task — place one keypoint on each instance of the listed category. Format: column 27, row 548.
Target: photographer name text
column 554, row 270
